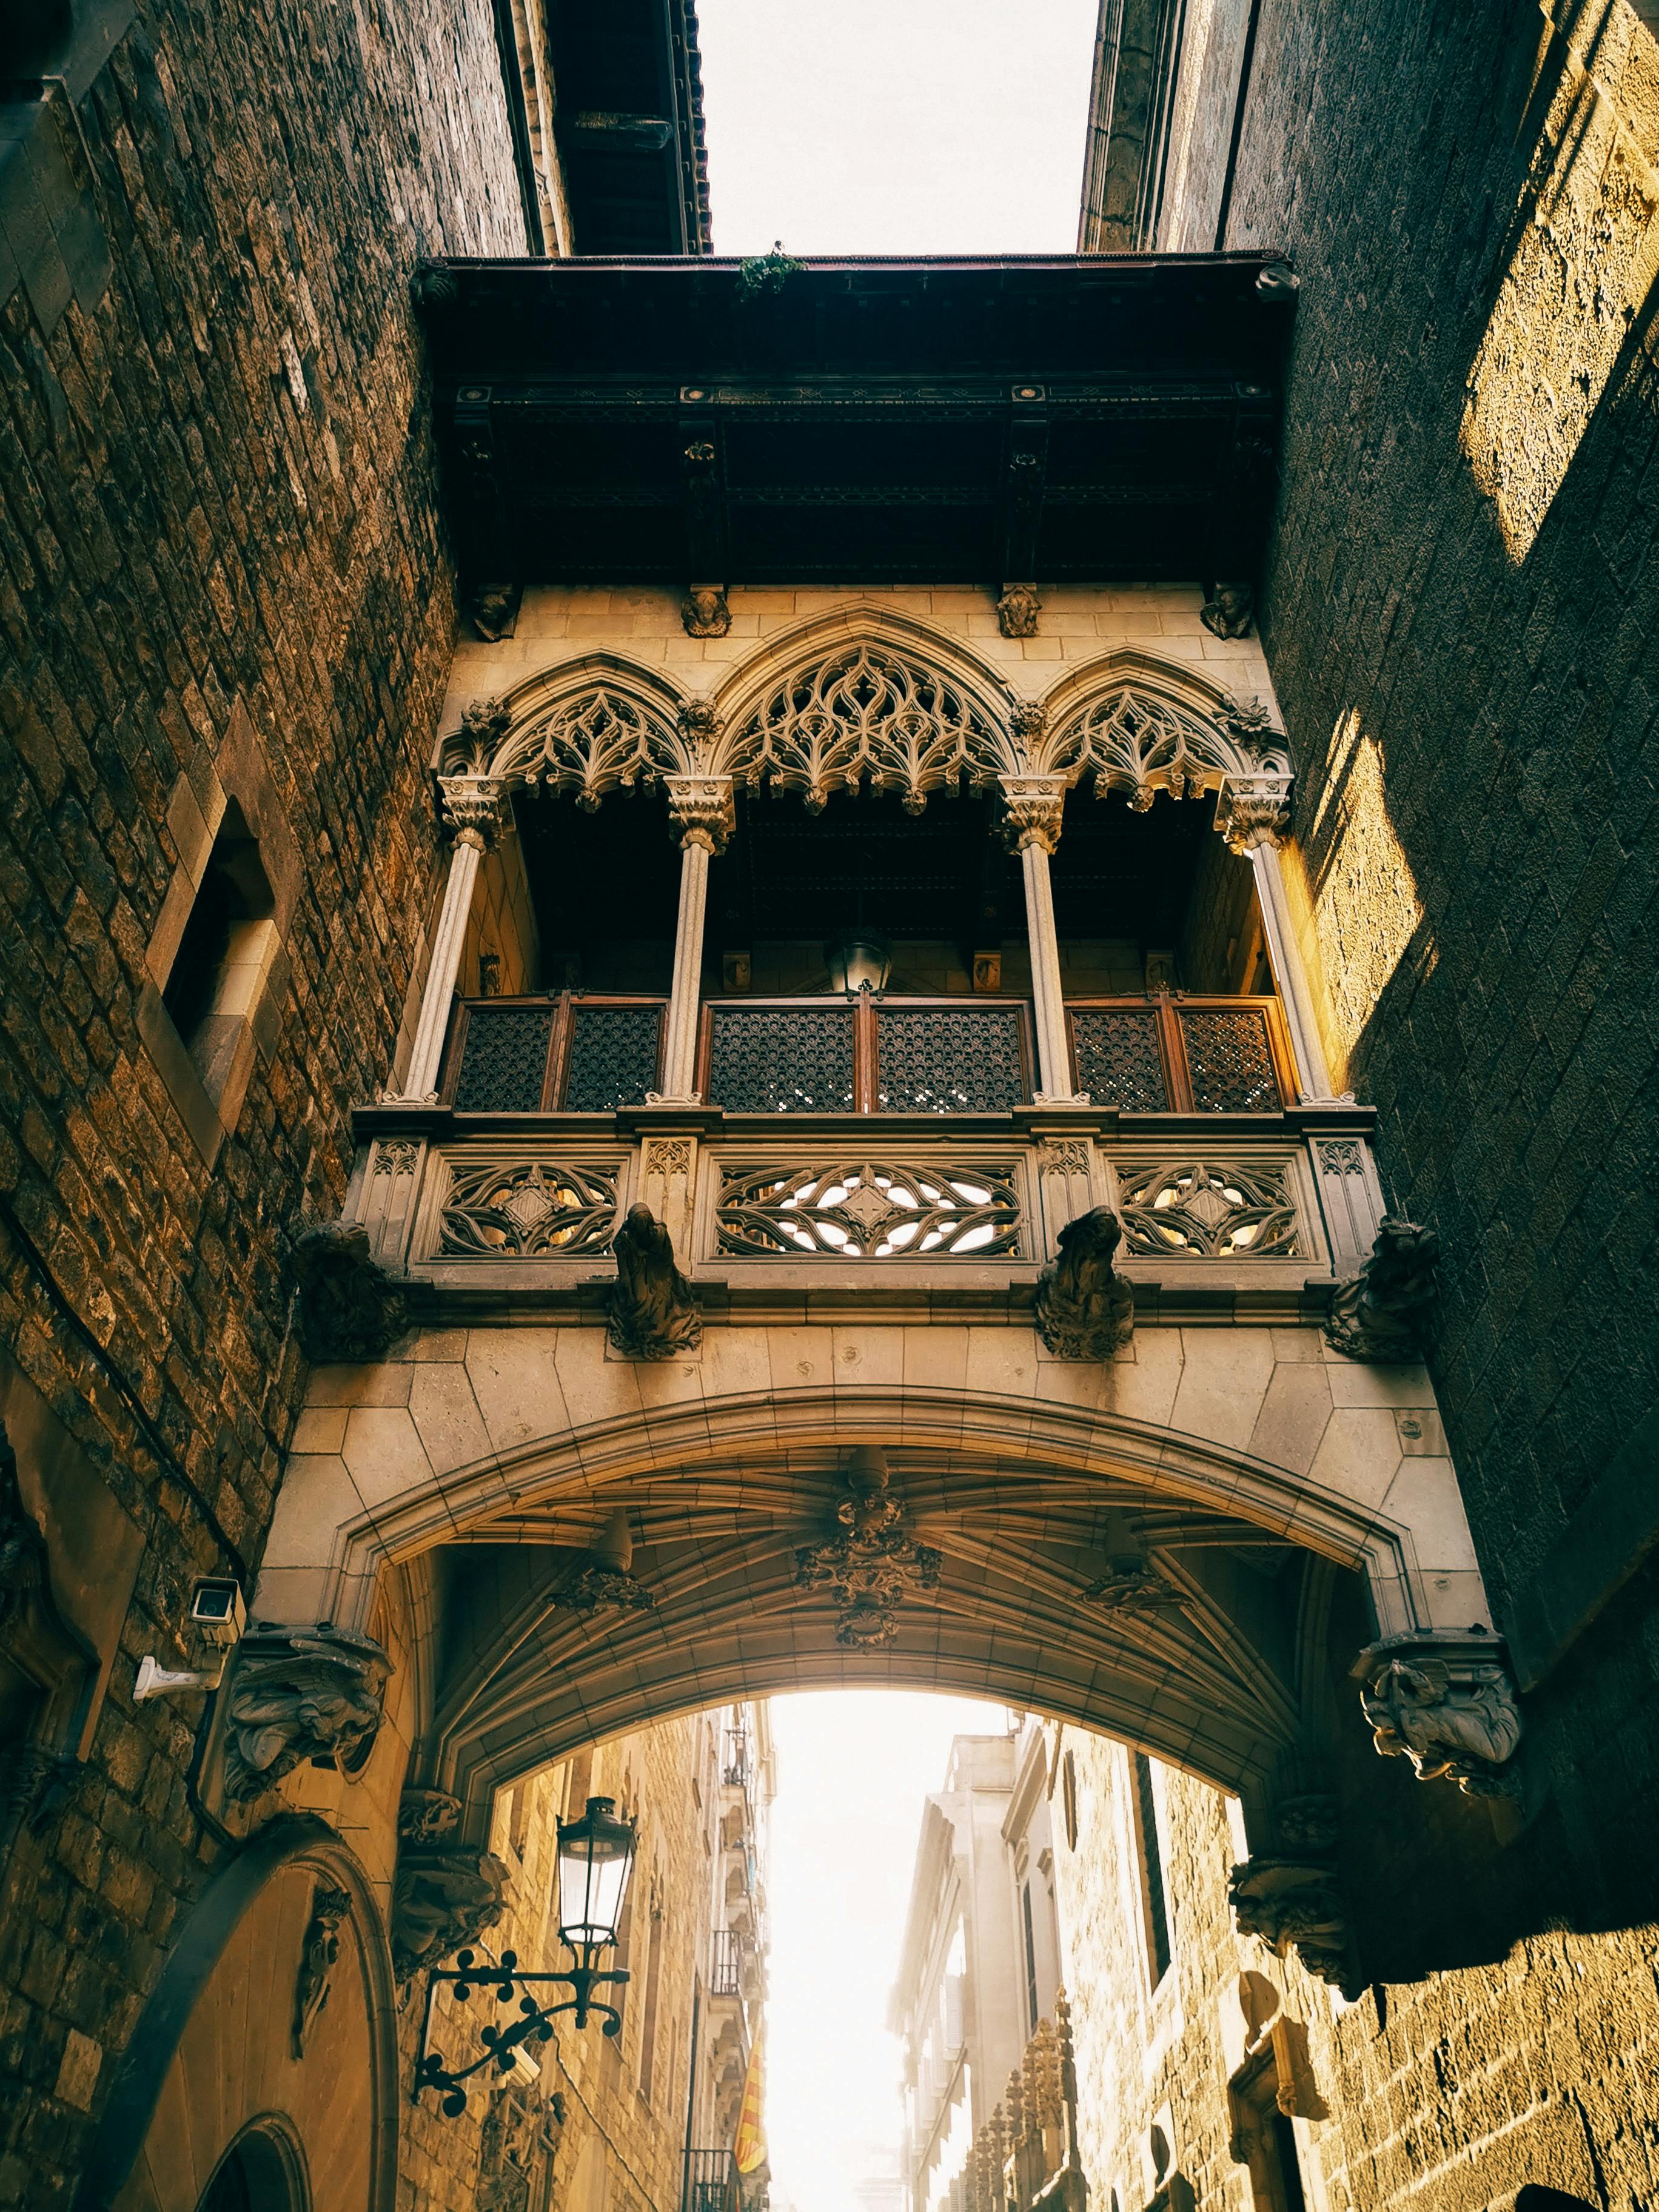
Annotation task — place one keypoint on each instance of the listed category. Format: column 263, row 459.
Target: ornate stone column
column 701, row 812
column 472, row 811
column 1035, row 806
column 1254, row 816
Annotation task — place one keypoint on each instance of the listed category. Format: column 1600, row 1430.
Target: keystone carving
column 1085, row 1310
column 351, row 1309
column 1447, row 1704
column 1378, row 1314
column 654, row 1312
column 319, row 1949
column 1229, row 610
column 300, row 1693
column 704, row 612
column 1018, row 611
column 873, row 1564
column 441, row 1900
column 1293, row 1903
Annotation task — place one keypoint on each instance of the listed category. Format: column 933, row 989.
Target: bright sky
column 854, row 1767
column 895, row 126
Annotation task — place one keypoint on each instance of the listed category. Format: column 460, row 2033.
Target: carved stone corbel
column 1085, row 1310
column 1018, row 611
column 874, row 1563
column 441, row 1899
column 1229, row 610
column 606, row 1584
column 1378, row 1314
column 1290, row 1899
column 1446, row 1703
column 314, row 1693
column 655, row 1313
column 704, row 611
column 350, row 1308
column 493, row 611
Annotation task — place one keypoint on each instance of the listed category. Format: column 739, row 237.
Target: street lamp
column 596, row 1856
column 858, row 960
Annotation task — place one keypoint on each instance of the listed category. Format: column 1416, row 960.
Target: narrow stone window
column 224, row 954
column 1151, row 1870
column 1069, row 1798
column 1031, row 1959
column 648, row 2020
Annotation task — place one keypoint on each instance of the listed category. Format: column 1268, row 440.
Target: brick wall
column 216, row 486
column 1456, row 623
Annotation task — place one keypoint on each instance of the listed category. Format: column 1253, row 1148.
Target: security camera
column 216, row 1611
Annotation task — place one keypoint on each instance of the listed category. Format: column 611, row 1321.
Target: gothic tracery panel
column 1200, row 1211
column 873, row 1210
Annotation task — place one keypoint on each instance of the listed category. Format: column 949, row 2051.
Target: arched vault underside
column 1052, row 1546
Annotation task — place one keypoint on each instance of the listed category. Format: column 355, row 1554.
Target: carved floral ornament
column 866, row 715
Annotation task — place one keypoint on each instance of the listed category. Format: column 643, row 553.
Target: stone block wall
column 1456, row 615
column 218, row 512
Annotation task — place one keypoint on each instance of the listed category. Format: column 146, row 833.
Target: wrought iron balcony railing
column 726, row 1968
column 887, row 1055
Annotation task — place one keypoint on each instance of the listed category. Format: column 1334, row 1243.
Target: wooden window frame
column 1167, row 1008
column 865, row 1008
column 566, row 1006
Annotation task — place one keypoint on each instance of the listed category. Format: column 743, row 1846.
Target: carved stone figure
column 1229, row 610
column 601, row 1588
column 1293, row 1903
column 351, row 1309
column 1134, row 1583
column 1378, row 1314
column 441, row 1900
column 426, row 1815
column 319, row 1947
column 472, row 749
column 300, row 1693
column 431, row 285
column 654, row 1309
column 705, row 612
column 1085, row 1310
column 1018, row 611
column 1447, row 1704
column 494, row 610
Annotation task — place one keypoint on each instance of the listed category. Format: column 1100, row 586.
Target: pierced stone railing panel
column 527, row 1208
column 1211, row 1209
column 871, row 1210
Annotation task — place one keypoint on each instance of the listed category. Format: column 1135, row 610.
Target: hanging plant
column 766, row 272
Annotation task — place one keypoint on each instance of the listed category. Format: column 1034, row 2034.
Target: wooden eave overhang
column 983, row 421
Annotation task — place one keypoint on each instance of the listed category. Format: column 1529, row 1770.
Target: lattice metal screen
column 613, row 1057
column 504, row 1060
column 1230, row 1061
column 1118, row 1061
column 782, row 1059
column 949, row 1059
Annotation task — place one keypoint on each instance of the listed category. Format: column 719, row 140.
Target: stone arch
column 588, row 726
column 1097, row 1554
column 1135, row 722
column 187, row 2088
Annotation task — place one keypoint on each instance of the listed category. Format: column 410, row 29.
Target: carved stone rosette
column 1446, row 1703
column 873, row 1564
column 351, row 1309
column 441, row 1899
column 654, row 1312
column 1085, row 1308
column 1378, row 1315
column 300, row 1693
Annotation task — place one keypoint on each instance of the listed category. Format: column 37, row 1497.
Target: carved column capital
column 474, row 809
column 1254, row 810
column 1034, row 809
column 701, row 810
column 1447, row 1703
column 312, row 1692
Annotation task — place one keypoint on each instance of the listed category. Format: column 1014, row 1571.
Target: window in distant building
column 1069, row 1798
column 1151, row 1870
column 1031, row 1959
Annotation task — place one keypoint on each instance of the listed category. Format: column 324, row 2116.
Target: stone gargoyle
column 1085, row 1308
column 654, row 1312
column 1378, row 1314
column 350, row 1308
column 441, row 1900
column 1445, row 1702
column 300, row 1693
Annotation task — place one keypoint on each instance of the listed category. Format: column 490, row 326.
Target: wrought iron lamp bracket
column 535, row 2020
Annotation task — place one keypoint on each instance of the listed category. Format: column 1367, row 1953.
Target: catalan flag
column 749, row 2150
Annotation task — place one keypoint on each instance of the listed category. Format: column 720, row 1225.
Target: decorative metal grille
column 949, row 1059
column 504, row 1060
column 1199, row 1212
column 1230, row 1061
column 873, row 1210
column 518, row 1209
column 1118, row 1061
column 782, row 1059
column 613, row 1057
